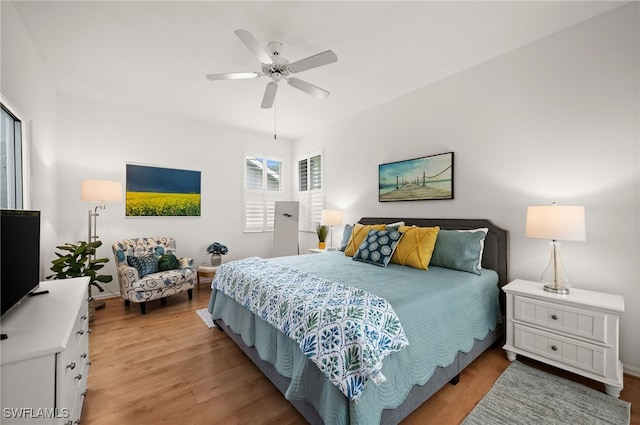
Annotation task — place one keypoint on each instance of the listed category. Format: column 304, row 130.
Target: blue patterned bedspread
column 345, row 331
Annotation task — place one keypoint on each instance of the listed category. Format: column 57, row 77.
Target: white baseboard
column 631, row 370
column 100, row 296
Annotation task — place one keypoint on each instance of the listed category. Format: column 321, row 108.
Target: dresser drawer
column 588, row 357
column 575, row 321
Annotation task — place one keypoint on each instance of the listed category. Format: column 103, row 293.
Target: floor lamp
column 556, row 222
column 331, row 218
column 100, row 191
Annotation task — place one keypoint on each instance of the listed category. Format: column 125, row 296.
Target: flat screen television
column 19, row 255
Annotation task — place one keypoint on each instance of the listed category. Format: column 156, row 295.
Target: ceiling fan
column 278, row 68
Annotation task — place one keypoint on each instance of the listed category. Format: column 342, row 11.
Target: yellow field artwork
column 162, row 204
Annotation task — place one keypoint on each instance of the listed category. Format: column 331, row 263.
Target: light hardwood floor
column 167, row 367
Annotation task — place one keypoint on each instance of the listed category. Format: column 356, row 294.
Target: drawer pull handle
column 554, row 348
column 83, row 317
column 79, row 376
column 84, row 393
column 80, row 332
column 90, row 330
column 83, row 355
column 77, row 421
column 71, row 365
column 554, row 317
column 89, row 363
column 69, row 422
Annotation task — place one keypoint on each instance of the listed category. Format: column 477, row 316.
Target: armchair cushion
column 145, row 265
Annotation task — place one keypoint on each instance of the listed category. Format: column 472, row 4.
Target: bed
column 444, row 336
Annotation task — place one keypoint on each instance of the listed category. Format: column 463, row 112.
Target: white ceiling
column 154, row 55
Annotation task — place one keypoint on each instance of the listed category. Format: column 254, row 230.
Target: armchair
column 141, row 278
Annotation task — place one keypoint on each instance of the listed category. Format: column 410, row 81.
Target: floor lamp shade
column 331, row 218
column 556, row 223
column 101, row 191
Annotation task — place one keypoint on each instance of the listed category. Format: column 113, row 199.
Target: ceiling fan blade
column 314, row 61
column 253, row 45
column 233, row 76
column 269, row 95
column 308, row 88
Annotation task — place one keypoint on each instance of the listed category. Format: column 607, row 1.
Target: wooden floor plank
column 167, row 367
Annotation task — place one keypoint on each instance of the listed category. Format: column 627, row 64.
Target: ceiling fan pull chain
column 275, row 137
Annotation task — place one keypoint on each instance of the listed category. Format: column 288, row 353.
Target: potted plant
column 322, row 232
column 78, row 261
column 217, row 250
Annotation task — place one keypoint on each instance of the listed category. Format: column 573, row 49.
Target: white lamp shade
column 101, row 191
column 556, row 222
column 331, row 218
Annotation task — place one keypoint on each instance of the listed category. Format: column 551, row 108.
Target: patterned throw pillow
column 145, row 265
column 168, row 262
column 378, row 247
column 359, row 233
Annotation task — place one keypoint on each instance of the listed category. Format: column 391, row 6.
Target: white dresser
column 45, row 357
column 577, row 332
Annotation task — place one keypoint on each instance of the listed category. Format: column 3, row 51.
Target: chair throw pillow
column 168, row 262
column 378, row 247
column 145, row 265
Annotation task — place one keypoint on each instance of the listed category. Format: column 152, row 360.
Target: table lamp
column 331, row 218
column 556, row 222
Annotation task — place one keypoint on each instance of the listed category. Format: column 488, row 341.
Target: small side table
column 207, row 272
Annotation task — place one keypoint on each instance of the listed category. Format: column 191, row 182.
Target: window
column 263, row 187
column 310, row 193
column 11, row 190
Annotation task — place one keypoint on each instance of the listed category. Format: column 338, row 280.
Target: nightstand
column 206, row 271
column 577, row 332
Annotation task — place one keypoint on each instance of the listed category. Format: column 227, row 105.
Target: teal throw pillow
column 378, row 247
column 168, row 262
column 346, row 235
column 145, row 265
column 458, row 250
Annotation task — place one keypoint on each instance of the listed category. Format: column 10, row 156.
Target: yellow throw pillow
column 360, row 231
column 416, row 246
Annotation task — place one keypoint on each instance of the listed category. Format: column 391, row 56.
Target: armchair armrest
column 185, row 262
column 128, row 275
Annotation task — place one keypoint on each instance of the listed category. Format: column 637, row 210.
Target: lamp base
column 556, row 289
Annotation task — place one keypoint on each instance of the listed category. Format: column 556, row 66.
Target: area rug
column 206, row 317
column 523, row 395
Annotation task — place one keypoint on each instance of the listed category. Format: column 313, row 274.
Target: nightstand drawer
column 585, row 356
column 571, row 320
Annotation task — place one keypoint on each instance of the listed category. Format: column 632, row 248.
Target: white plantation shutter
column 310, row 192
column 263, row 187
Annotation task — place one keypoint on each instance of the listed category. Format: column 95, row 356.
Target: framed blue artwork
column 426, row 178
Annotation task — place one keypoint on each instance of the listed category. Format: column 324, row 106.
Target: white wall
column 97, row 140
column 27, row 87
column 557, row 120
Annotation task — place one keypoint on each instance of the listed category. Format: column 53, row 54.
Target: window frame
column 311, row 200
column 18, row 192
column 263, row 196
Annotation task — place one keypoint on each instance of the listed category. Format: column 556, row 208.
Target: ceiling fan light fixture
column 278, row 68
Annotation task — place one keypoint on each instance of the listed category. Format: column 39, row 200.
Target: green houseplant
column 77, row 261
column 322, row 232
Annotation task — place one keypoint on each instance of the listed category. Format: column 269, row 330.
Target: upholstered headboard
column 496, row 245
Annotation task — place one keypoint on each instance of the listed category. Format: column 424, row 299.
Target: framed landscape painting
column 426, row 178
column 158, row 191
